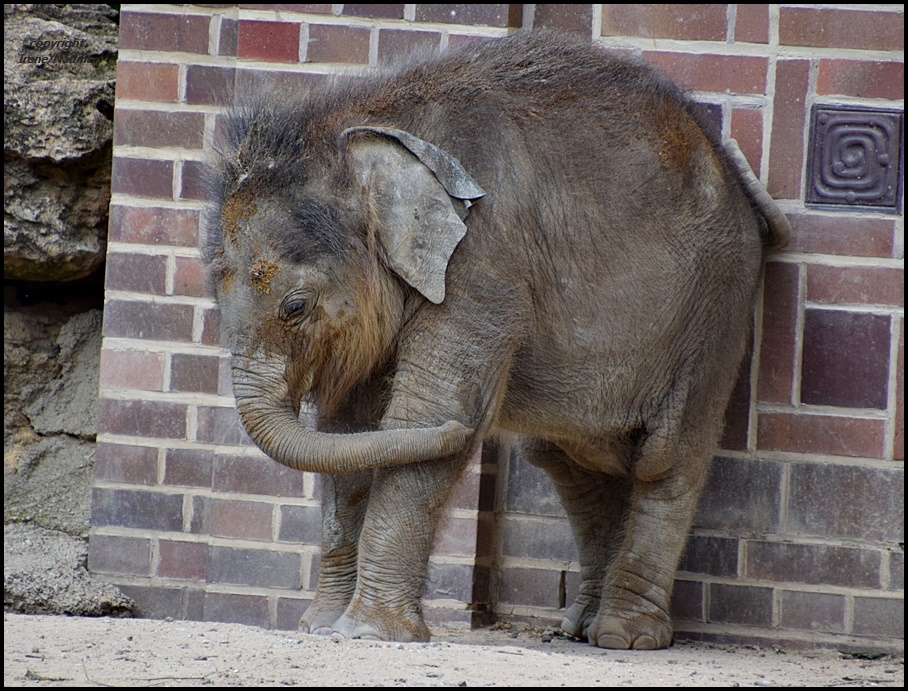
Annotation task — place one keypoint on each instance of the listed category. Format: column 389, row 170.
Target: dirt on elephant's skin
column 67, row 651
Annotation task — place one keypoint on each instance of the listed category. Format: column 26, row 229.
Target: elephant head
column 315, row 260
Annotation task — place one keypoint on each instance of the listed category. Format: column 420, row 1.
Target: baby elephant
column 528, row 234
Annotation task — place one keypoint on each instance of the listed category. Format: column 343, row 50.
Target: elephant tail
column 777, row 225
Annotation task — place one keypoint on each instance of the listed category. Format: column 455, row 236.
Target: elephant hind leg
column 636, row 598
column 595, row 504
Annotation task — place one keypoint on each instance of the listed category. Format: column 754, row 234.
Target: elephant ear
column 421, row 195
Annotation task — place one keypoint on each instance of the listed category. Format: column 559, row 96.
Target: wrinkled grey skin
column 528, row 235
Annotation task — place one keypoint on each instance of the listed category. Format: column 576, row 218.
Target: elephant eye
column 295, row 307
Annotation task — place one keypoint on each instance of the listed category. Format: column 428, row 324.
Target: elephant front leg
column 636, row 597
column 405, row 508
column 344, row 501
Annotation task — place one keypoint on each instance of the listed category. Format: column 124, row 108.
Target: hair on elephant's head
column 314, row 245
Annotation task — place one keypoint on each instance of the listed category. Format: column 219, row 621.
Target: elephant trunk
column 269, row 411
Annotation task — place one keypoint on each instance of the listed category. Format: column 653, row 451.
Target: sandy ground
column 66, row 651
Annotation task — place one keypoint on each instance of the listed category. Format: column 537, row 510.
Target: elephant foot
column 381, row 625
column 580, row 615
column 320, row 617
column 625, row 630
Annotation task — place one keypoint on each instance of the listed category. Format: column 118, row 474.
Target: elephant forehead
column 261, row 273
column 236, row 211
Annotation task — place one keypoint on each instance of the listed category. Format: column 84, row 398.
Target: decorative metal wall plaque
column 855, row 158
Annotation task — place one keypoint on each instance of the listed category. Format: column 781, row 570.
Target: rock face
column 58, row 94
column 45, row 572
column 59, row 65
column 51, row 357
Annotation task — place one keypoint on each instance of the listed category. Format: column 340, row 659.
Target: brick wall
column 798, row 537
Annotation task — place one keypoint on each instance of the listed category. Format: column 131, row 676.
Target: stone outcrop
column 59, row 66
column 58, row 96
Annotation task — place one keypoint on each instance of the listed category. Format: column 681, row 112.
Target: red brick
column 375, row 11
column 308, row 9
column 465, row 493
column 193, row 183
column 276, row 80
column 856, row 285
column 228, row 37
column 737, row 412
column 752, row 23
column 197, row 373
column 685, row 22
column 861, row 78
column 132, row 369
column 825, row 434
column 211, row 327
column 573, row 18
column 140, row 273
column 209, row 85
column 191, row 278
column 786, row 145
column 136, row 465
column 457, row 537
column 456, row 41
column 289, row 611
column 142, row 418
column 190, row 467
column 149, row 321
column 225, row 378
column 533, row 587
column 780, row 319
column 743, row 496
column 255, row 567
column 899, row 429
column 836, row 342
column 840, row 28
column 747, row 129
column 719, row 73
column 248, row 520
column 180, row 559
column 162, row 601
column 715, row 556
column 687, row 601
column 252, row 610
column 813, row 564
column 397, row 43
column 449, row 582
column 154, row 225
column 877, row 616
column 486, row 14
column 181, row 33
column 813, row 611
column 537, row 537
column 115, row 554
column 854, row 502
column 255, row 475
column 855, row 236
column 220, row 425
column 271, row 41
column 145, row 81
column 144, row 509
column 300, row 524
column 896, row 571
column 155, row 128
column 331, row 43
column 732, row 604
column 142, row 177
